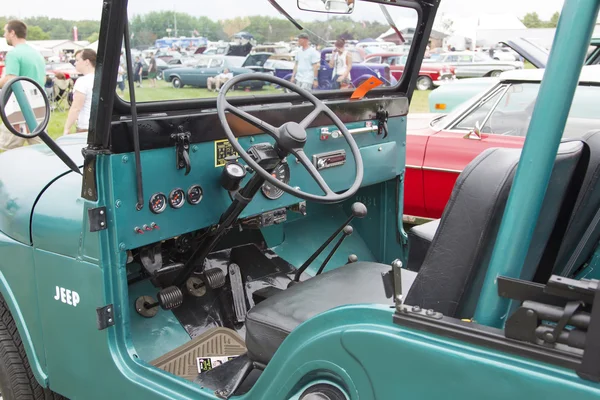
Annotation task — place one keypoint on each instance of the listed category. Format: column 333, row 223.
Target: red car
column 430, row 74
column 440, row 146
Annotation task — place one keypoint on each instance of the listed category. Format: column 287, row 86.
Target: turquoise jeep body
column 104, row 294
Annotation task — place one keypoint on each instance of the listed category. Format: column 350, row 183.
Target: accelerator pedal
column 216, row 342
column 237, row 291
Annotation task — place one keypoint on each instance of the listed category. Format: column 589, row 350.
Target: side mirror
column 25, row 111
column 475, row 134
column 327, row 6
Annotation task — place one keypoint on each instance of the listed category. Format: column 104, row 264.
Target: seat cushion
column 269, row 323
column 419, row 239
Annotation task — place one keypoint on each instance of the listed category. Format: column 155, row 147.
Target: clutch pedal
column 237, row 291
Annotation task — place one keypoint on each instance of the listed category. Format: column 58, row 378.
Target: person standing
column 138, row 69
column 306, row 68
column 152, row 70
column 23, row 60
column 85, row 63
column 341, row 62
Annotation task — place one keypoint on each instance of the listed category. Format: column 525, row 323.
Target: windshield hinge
column 182, row 140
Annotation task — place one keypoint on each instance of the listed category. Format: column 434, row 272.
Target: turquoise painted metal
column 533, row 173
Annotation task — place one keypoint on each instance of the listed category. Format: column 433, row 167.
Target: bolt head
column 110, row 320
column 416, row 308
column 109, row 310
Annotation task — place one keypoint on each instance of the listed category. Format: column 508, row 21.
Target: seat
column 419, row 239
column 451, row 276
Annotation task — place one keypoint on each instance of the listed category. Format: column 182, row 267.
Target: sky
column 222, row 9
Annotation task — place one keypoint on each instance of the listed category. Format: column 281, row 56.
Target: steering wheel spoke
column 251, row 119
column 312, row 116
column 314, row 173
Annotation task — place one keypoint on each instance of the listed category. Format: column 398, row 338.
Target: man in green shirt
column 23, row 60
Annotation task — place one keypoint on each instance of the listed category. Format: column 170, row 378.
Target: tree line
column 146, row 28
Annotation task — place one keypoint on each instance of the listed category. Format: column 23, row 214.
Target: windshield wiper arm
column 391, row 22
column 285, row 14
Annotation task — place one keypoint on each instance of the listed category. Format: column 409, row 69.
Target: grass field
column 164, row 91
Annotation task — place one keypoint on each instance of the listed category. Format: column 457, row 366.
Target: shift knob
column 359, row 210
column 352, row 258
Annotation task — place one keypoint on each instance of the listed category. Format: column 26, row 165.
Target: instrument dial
column 177, row 198
column 282, row 174
column 158, row 203
column 195, row 194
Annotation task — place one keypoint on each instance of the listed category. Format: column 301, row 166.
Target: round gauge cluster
column 176, row 199
column 282, row 174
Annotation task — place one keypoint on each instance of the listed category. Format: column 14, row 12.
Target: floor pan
column 216, row 342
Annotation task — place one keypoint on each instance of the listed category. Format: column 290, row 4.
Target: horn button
column 291, row 136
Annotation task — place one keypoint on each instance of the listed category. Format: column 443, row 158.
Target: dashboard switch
column 138, row 230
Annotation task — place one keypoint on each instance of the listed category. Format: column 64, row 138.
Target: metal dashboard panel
column 381, row 158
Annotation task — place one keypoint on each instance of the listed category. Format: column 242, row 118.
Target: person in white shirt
column 85, row 63
column 341, row 62
column 219, row 80
column 306, row 68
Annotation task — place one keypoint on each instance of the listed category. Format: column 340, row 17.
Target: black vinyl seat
column 452, row 273
column 421, row 236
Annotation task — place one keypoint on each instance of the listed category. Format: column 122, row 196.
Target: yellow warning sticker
column 223, row 149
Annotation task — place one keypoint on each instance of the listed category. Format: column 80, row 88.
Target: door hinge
column 182, row 144
column 105, row 317
column 97, row 218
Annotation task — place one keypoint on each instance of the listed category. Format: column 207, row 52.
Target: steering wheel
column 290, row 138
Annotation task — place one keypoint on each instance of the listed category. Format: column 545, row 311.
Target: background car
column 471, row 65
column 440, row 146
column 430, row 74
column 360, row 72
column 211, row 66
column 451, row 96
column 66, row 68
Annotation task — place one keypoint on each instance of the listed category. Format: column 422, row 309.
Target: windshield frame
column 108, row 107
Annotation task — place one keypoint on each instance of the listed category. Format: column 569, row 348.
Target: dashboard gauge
column 194, row 194
column 177, row 198
column 282, row 174
column 158, row 203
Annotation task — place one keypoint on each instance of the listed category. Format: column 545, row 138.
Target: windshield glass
column 257, row 30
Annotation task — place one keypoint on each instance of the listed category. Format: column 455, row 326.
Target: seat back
column 454, row 268
column 588, row 203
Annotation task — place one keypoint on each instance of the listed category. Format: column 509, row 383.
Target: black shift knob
column 359, row 210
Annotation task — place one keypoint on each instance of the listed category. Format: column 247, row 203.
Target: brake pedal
column 237, row 291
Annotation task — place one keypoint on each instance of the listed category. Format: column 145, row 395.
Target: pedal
column 237, row 291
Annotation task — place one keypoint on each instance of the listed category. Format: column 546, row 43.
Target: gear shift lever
column 359, row 210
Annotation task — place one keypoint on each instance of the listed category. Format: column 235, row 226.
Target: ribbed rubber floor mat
column 213, row 343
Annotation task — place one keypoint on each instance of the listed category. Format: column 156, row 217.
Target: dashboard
column 176, row 203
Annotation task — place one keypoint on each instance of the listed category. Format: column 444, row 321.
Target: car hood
column 32, row 170
column 536, row 55
column 256, row 60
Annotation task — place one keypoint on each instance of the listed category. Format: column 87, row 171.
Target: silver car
column 473, row 65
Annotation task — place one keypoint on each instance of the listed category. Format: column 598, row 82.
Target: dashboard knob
column 359, row 210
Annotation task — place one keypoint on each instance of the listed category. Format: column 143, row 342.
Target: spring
column 170, row 298
column 214, row 278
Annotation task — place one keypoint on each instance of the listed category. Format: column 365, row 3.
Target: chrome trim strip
column 458, row 171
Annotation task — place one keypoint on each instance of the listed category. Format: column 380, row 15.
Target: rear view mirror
column 327, row 6
column 475, row 134
column 25, row 108
column 25, row 111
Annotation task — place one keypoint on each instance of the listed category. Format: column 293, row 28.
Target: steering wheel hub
column 292, row 136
